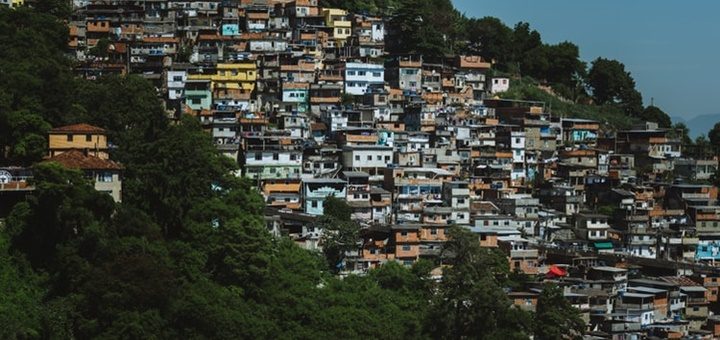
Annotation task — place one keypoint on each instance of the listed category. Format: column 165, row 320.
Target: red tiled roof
column 161, row 40
column 78, row 128
column 76, row 159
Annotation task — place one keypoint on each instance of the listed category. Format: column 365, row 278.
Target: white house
column 359, row 75
column 499, row 84
column 176, row 84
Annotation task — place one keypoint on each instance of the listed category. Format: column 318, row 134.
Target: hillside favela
column 309, row 169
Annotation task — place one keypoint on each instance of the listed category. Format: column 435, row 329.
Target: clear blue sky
column 671, row 48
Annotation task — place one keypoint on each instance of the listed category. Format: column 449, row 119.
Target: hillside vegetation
column 610, row 115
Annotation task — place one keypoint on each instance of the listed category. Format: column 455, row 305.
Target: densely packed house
column 310, row 105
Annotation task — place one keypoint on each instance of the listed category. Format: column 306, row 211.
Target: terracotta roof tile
column 76, row 159
column 78, row 128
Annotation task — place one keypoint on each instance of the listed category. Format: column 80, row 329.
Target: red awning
column 556, row 271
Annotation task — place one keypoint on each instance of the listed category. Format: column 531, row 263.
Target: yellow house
column 13, row 3
column 337, row 19
column 236, row 76
column 91, row 139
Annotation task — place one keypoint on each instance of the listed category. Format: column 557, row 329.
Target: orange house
column 407, row 242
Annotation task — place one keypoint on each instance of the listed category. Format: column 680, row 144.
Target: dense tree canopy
column 655, row 114
column 471, row 301
column 555, row 317
column 427, row 27
column 714, row 137
column 35, row 82
column 610, row 83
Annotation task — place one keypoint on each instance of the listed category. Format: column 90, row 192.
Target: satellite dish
column 5, row 177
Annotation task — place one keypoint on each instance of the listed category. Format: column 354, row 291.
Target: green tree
column 555, row 318
column 126, row 106
column 702, row 148
column 21, row 310
column 59, row 8
column 35, row 82
column 100, row 50
column 470, row 301
column 655, row 114
column 682, row 132
column 340, row 233
column 168, row 177
column 63, row 206
column 714, row 137
column 490, row 38
column 565, row 67
column 527, row 50
column 610, row 83
column 427, row 27
column 26, row 137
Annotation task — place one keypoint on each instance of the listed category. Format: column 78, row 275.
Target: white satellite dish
column 5, row 177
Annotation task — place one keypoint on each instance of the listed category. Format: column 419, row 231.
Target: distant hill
column 700, row 124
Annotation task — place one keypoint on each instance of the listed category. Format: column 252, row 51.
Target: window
column 362, row 73
column 376, row 74
column 314, row 204
column 369, row 157
column 258, row 156
column 357, row 157
column 433, row 231
column 379, row 157
column 276, row 156
column 387, row 158
column 351, row 73
column 517, row 264
column 69, row 138
column 406, row 248
column 403, row 233
column 88, row 138
column 105, row 176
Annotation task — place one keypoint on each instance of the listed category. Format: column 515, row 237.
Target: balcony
column 16, row 185
column 634, row 306
column 524, row 254
column 690, row 241
column 642, row 242
column 324, row 100
column 696, row 301
column 360, row 138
